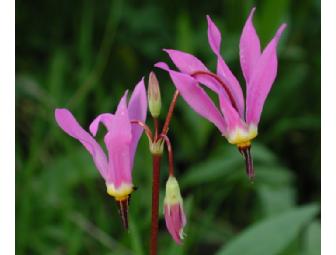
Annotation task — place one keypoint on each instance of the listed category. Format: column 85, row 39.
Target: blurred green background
column 84, row 54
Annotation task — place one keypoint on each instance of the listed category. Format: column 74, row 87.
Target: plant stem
column 156, row 128
column 170, row 113
column 170, row 154
column 156, row 173
column 155, row 204
column 145, row 127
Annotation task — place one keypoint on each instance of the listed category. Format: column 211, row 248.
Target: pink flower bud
column 173, row 210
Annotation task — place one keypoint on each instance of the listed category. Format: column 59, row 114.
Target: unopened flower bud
column 173, row 210
column 154, row 97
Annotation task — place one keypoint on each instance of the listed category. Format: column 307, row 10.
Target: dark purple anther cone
column 246, row 152
column 123, row 211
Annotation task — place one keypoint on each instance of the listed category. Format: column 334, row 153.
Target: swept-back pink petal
column 137, row 110
column 231, row 116
column 105, row 118
column 223, row 71
column 118, row 140
column 214, row 36
column 195, row 96
column 249, row 48
column 262, row 79
column 186, row 62
column 175, row 221
column 189, row 64
column 68, row 123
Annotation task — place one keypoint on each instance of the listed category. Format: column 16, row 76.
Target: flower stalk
column 155, row 204
column 170, row 113
column 156, row 144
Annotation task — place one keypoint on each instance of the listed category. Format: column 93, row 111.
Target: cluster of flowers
column 236, row 119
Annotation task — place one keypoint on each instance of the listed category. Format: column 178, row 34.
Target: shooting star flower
column 121, row 141
column 237, row 123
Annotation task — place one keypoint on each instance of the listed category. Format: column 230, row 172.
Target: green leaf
column 313, row 239
column 209, row 171
column 275, row 176
column 137, row 244
column 276, row 199
column 272, row 235
column 229, row 161
column 262, row 154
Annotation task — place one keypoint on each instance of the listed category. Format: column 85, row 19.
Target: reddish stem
column 155, row 204
column 156, row 128
column 170, row 113
column 145, row 127
column 219, row 80
column 156, row 172
column 170, row 154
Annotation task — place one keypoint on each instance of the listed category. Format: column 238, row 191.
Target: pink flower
column 173, row 210
column 121, row 141
column 237, row 123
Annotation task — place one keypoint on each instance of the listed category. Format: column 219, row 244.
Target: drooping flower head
column 239, row 124
column 121, row 140
column 173, row 210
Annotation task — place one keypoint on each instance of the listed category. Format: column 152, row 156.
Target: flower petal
column 175, row 221
column 231, row 116
column 195, row 96
column 122, row 106
column 105, row 118
column 262, row 79
column 189, row 64
column 223, row 71
column 68, row 123
column 186, row 62
column 249, row 48
column 137, row 110
column 118, row 140
column 214, row 36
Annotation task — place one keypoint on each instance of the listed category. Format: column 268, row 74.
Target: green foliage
column 83, row 55
column 313, row 239
column 271, row 235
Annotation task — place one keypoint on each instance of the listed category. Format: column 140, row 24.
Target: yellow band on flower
column 241, row 137
column 121, row 193
column 244, row 144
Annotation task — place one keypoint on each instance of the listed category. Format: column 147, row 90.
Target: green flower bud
column 173, row 194
column 154, row 97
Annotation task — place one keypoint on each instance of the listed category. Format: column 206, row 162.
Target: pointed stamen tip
column 123, row 211
column 245, row 151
